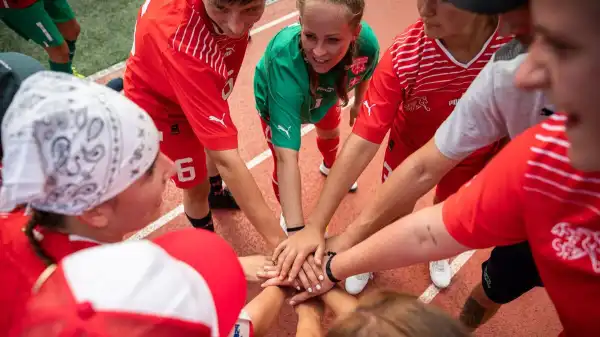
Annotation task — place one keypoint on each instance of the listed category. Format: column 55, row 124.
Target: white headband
column 70, row 144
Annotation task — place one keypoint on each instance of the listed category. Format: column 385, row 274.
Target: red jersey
column 530, row 192
column 186, row 69
column 416, row 85
column 20, row 267
column 16, row 3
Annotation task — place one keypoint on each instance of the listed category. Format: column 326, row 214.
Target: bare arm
column 416, row 238
column 264, row 309
column 416, row 176
column 310, row 315
column 339, row 301
column 290, row 191
column 243, row 187
column 356, row 154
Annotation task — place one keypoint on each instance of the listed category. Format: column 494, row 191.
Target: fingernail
column 290, row 279
column 292, row 303
column 298, row 288
column 310, row 290
column 318, row 287
column 321, row 278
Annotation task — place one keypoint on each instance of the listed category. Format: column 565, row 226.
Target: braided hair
column 356, row 9
column 47, row 220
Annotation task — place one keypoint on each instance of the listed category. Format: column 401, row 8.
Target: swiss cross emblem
column 359, row 65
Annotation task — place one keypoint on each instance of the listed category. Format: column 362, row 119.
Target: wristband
column 328, row 268
column 295, row 229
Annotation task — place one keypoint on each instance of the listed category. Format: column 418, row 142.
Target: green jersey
column 282, row 88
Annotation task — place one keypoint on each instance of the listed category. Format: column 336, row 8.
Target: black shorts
column 509, row 273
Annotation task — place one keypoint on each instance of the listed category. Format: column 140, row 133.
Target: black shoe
column 221, row 199
column 116, row 84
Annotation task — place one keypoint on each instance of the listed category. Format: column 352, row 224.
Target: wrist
column 328, row 269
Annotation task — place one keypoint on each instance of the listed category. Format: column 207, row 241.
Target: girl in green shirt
column 304, row 77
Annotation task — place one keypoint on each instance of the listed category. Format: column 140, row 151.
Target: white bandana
column 70, row 144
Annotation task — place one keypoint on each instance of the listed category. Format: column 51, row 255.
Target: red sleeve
column 382, row 100
column 488, row 210
column 202, row 94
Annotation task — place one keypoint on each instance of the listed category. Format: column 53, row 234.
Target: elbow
column 423, row 172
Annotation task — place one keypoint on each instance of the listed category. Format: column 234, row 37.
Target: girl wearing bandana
column 86, row 160
column 306, row 71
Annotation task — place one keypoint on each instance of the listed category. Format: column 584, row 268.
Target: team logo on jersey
column 416, row 104
column 359, row 65
column 218, row 120
column 228, row 51
column 369, row 107
column 576, row 243
column 284, row 130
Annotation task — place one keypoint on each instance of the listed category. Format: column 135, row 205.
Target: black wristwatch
column 328, row 268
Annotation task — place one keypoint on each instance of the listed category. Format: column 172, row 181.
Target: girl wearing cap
column 70, row 154
column 416, row 85
column 306, row 71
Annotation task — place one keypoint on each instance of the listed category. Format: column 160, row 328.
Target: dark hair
column 356, row 9
column 390, row 314
column 48, row 220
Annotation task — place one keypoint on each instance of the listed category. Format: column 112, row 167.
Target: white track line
column 117, row 67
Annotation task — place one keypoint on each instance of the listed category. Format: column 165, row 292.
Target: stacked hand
column 294, row 264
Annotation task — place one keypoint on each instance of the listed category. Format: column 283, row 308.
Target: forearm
column 359, row 91
column 264, row 309
column 309, row 323
column 356, row 154
column 290, row 190
column 416, row 238
column 397, row 197
column 339, row 301
column 243, row 187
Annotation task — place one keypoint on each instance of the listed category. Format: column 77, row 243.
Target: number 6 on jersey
column 185, row 170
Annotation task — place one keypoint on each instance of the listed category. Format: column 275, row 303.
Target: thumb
column 319, row 253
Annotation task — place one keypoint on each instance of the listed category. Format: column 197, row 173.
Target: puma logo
column 366, row 104
column 217, row 120
column 284, row 130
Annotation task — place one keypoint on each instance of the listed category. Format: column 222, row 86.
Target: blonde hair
column 390, row 314
column 356, row 10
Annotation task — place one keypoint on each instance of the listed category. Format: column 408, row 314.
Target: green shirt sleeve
column 369, row 46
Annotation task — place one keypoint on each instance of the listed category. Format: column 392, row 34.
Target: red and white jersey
column 185, row 69
column 417, row 85
column 530, row 192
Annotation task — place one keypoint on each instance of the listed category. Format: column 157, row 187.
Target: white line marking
column 118, row 66
column 431, row 292
column 274, row 23
column 165, row 219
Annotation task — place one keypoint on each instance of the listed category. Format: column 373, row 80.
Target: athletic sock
column 72, row 48
column 61, row 67
column 216, row 183
column 328, row 148
column 204, row 223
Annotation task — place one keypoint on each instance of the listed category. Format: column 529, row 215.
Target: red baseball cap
column 184, row 283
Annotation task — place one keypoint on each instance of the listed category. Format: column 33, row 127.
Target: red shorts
column 330, row 121
column 177, row 139
column 398, row 150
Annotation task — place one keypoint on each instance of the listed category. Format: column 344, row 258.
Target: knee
column 197, row 194
column 328, row 134
column 71, row 30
